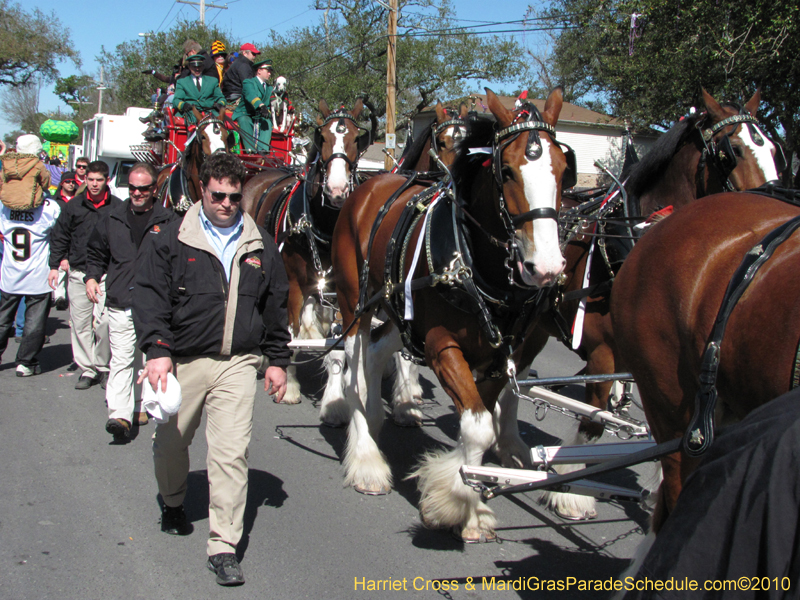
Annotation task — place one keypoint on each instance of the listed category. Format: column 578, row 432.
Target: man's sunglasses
column 72, row 181
column 140, row 188
column 81, row 166
column 218, row 197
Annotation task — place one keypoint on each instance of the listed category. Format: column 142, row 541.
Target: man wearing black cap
column 197, row 91
column 252, row 115
column 241, row 70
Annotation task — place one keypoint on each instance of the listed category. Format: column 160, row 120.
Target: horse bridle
column 502, row 139
column 455, row 121
column 722, row 156
column 341, row 115
column 202, row 123
column 533, row 151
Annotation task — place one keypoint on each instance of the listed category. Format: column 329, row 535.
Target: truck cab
column 109, row 138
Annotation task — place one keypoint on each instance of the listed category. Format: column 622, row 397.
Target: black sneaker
column 227, row 568
column 85, row 382
column 103, row 379
column 173, row 521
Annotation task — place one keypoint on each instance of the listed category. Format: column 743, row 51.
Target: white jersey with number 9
column 26, row 248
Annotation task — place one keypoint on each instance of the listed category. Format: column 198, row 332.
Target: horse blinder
column 570, row 177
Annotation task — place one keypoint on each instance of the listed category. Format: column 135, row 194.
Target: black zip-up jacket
column 113, row 251
column 240, row 69
column 184, row 306
column 70, row 236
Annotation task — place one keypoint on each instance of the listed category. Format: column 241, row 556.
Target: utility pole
column 101, row 86
column 203, row 5
column 391, row 86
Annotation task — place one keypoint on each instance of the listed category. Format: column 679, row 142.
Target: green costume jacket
column 204, row 99
column 254, row 95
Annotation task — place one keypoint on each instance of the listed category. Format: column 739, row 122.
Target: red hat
column 250, row 47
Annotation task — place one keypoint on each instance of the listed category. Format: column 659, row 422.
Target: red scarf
column 100, row 202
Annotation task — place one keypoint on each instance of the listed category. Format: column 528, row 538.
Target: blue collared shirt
column 223, row 240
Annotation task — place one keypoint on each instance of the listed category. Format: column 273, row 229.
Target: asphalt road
column 79, row 517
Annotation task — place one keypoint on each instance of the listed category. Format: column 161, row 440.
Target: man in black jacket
column 113, row 248
column 241, row 69
column 209, row 304
column 68, row 243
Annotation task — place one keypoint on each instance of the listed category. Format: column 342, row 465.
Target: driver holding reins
column 197, row 91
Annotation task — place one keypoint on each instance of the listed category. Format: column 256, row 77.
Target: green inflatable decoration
column 59, row 131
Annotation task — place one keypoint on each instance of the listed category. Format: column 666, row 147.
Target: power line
column 277, row 24
column 165, row 18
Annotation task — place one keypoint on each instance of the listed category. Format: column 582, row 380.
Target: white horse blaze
column 215, row 141
column 338, row 186
column 541, row 191
column 763, row 154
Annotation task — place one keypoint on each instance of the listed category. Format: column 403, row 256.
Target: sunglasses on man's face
column 81, row 166
column 218, row 197
column 140, row 188
column 68, row 181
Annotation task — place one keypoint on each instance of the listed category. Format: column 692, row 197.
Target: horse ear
column 712, row 106
column 357, row 108
column 464, row 112
column 552, row 107
column 752, row 105
column 504, row 116
column 323, row 108
column 197, row 114
column 441, row 117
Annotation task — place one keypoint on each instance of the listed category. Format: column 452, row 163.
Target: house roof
column 570, row 113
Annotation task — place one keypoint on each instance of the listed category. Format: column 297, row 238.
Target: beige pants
column 90, row 346
column 122, row 368
column 226, row 387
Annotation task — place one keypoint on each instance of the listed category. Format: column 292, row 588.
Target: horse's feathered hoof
column 289, row 401
column 473, row 536
column 583, row 516
column 380, row 491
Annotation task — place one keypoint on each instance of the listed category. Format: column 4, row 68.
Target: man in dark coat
column 68, row 244
column 241, row 70
column 209, row 304
column 113, row 249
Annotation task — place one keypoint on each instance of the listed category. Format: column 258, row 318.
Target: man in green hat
column 197, row 90
column 252, row 114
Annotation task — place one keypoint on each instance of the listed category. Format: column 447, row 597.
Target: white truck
column 109, row 138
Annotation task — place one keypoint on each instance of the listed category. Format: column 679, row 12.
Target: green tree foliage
column 31, row 45
column 160, row 51
column 75, row 89
column 727, row 47
column 344, row 56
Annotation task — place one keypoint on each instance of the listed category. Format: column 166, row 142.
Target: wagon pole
column 391, row 83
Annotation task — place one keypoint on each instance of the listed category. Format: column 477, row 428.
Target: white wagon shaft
column 493, row 480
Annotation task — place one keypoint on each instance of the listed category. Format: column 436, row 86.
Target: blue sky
column 94, row 23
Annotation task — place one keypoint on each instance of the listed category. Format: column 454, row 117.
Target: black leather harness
column 503, row 314
column 700, row 433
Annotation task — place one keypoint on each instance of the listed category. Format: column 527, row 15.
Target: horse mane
column 647, row 172
column 480, row 134
column 413, row 152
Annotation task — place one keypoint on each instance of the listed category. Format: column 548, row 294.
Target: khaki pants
column 89, row 322
column 121, row 376
column 226, row 387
